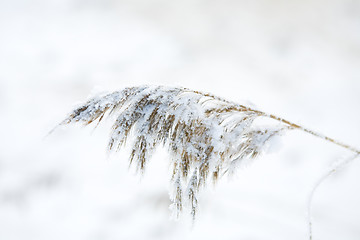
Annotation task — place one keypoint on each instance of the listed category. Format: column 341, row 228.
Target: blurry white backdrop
column 296, row 59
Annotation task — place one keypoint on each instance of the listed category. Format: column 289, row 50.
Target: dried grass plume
column 206, row 136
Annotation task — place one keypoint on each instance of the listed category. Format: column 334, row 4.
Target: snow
column 297, row 59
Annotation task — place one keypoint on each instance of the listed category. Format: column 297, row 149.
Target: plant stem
column 325, row 175
column 297, row 126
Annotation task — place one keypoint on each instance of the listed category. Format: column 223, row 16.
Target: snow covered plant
column 206, row 136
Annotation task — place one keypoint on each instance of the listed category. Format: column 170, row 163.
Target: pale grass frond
column 206, row 136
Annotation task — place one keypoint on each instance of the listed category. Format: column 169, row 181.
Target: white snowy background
column 297, row 59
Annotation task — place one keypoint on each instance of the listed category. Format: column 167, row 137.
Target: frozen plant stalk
column 207, row 136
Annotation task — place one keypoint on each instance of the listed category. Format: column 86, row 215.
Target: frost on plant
column 205, row 135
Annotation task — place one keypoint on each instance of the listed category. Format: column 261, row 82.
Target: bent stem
column 299, row 127
column 319, row 182
column 316, row 134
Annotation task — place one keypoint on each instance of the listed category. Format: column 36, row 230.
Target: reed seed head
column 206, row 136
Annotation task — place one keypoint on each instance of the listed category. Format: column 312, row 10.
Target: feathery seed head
column 206, row 135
